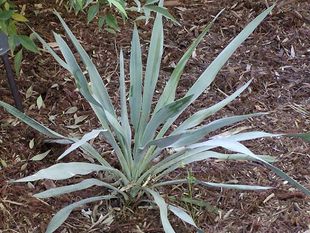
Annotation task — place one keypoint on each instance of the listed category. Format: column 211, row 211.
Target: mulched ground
column 276, row 56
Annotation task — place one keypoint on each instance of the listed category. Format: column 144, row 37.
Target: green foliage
column 139, row 135
column 104, row 11
column 9, row 21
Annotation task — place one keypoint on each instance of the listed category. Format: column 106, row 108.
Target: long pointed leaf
column 75, row 70
column 85, row 184
column 162, row 116
column 62, row 171
column 182, row 215
column 87, row 137
column 214, row 185
column 152, row 69
column 209, row 74
column 169, row 92
column 99, row 89
column 135, row 93
column 64, row 213
column 163, row 208
column 124, row 113
column 201, row 115
column 31, row 122
column 195, row 135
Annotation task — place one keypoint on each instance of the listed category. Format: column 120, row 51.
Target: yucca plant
column 146, row 150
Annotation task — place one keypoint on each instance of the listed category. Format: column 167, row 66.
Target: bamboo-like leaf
column 92, row 12
column 201, row 115
column 85, row 184
column 169, row 92
column 64, row 213
column 161, row 10
column 118, row 6
column 209, row 74
column 62, row 171
column 135, row 93
column 304, row 136
column 163, row 208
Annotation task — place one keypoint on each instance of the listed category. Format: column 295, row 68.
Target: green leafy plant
column 104, row 10
column 144, row 147
column 9, row 20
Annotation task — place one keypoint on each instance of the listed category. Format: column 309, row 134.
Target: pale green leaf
column 201, row 115
column 180, row 213
column 163, row 208
column 41, row 156
column 210, row 73
column 152, row 69
column 169, row 92
column 64, row 213
column 86, row 137
column 92, row 12
column 62, row 171
column 161, row 10
column 135, row 92
column 18, row 61
column 85, row 184
column 161, row 117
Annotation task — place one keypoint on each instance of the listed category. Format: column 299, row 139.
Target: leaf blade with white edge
column 60, row 217
column 234, row 186
column 62, row 171
column 248, row 136
column 163, row 208
column 167, row 165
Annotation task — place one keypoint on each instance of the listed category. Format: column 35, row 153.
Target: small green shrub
column 104, row 10
column 9, row 20
column 140, row 138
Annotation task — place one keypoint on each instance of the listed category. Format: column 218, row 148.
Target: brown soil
column 276, row 56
